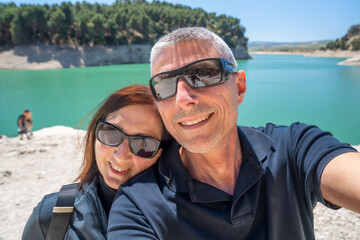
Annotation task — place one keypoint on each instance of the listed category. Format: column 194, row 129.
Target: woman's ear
column 240, row 80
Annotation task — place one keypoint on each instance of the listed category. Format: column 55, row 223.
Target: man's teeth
column 118, row 169
column 195, row 121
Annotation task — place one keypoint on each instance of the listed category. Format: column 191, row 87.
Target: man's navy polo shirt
column 275, row 193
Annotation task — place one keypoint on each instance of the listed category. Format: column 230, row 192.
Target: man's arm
column 340, row 181
column 19, row 122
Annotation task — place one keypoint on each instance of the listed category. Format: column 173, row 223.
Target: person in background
column 123, row 139
column 29, row 122
column 21, row 122
column 218, row 180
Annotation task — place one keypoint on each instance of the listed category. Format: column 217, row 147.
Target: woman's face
column 118, row 164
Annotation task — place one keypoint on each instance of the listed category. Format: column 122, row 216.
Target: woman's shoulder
column 44, row 209
column 47, row 204
column 39, row 221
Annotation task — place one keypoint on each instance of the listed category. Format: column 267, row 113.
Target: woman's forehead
column 137, row 120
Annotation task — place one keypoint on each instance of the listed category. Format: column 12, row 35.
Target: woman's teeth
column 118, row 169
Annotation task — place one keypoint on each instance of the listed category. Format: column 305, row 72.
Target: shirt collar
column 172, row 169
column 255, row 142
column 255, row 147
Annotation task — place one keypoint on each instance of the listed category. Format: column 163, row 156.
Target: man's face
column 199, row 119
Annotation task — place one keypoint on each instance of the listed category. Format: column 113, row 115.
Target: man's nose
column 122, row 151
column 186, row 97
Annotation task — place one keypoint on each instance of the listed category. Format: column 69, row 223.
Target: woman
column 123, row 139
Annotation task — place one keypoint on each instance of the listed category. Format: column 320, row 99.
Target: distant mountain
column 286, row 46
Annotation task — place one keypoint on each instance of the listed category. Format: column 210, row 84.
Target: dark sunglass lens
column 200, row 74
column 143, row 147
column 164, row 86
column 109, row 135
column 203, row 74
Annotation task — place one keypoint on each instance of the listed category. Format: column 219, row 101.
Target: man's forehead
column 183, row 53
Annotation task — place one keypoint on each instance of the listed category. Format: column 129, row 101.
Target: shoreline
column 29, row 169
column 317, row 53
column 48, row 56
column 66, row 130
column 45, row 57
column 353, row 57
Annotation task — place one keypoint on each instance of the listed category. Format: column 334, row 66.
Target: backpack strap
column 62, row 212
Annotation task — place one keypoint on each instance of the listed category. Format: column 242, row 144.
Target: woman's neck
column 106, row 195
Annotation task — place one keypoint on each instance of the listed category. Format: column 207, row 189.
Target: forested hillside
column 123, row 23
column 351, row 40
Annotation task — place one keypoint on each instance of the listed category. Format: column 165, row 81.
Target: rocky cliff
column 53, row 56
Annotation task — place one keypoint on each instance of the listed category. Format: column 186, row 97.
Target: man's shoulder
column 271, row 129
column 272, row 135
column 146, row 177
column 143, row 189
column 270, row 125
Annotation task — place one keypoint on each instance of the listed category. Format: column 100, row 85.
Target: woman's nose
column 122, row 151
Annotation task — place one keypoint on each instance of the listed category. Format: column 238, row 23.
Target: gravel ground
column 29, row 169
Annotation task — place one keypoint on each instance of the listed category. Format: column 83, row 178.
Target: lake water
column 280, row 89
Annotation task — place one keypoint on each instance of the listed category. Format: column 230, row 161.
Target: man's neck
column 219, row 167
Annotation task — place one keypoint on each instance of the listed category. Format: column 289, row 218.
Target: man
column 28, row 121
column 221, row 181
column 21, row 122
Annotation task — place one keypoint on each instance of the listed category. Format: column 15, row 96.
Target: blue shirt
column 277, row 188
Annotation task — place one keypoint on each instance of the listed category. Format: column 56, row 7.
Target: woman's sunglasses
column 110, row 135
column 200, row 74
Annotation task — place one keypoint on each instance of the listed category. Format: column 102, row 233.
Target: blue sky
column 275, row 20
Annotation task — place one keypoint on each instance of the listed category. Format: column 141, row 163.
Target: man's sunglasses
column 200, row 74
column 111, row 135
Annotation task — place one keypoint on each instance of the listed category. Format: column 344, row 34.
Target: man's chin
column 199, row 146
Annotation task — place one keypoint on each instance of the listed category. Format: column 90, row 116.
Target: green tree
column 17, row 30
column 84, row 28
column 7, row 14
column 58, row 26
column 98, row 28
column 355, row 44
column 110, row 30
column 68, row 9
column 123, row 22
column 34, row 20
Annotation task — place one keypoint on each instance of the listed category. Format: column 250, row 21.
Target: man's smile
column 195, row 121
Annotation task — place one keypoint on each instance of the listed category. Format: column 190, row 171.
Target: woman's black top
column 106, row 195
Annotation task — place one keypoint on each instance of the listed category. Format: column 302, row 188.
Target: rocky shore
column 29, row 169
column 41, row 56
column 353, row 57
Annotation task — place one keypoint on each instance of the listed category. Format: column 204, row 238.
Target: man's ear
column 240, row 80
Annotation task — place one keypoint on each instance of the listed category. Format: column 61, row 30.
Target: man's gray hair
column 191, row 34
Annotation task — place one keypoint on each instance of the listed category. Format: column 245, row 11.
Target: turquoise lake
column 280, row 89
